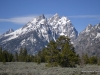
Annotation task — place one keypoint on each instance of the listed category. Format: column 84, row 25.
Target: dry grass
column 23, row 68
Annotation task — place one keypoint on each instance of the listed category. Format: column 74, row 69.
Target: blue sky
column 16, row 13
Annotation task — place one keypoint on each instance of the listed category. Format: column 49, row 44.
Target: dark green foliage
column 41, row 55
column 68, row 57
column 38, row 60
column 98, row 61
column 1, row 58
column 85, row 59
column 16, row 56
column 29, row 58
column 5, row 56
column 52, row 54
column 93, row 60
column 60, row 53
column 23, row 56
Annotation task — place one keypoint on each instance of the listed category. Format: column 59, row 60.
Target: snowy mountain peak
column 88, row 40
column 10, row 31
column 97, row 26
column 64, row 18
column 89, row 25
column 56, row 15
column 37, row 33
column 87, row 29
column 40, row 17
column 54, row 18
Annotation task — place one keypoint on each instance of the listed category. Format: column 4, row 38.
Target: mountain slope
column 37, row 33
column 88, row 40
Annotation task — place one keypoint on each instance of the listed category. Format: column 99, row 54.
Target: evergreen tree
column 10, row 57
column 16, row 56
column 25, row 55
column 29, row 58
column 52, row 54
column 93, row 60
column 5, row 56
column 1, row 54
column 42, row 55
column 68, row 57
column 86, row 59
column 60, row 53
column 98, row 60
column 21, row 55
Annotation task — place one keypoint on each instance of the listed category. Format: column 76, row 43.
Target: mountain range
column 37, row 33
column 88, row 41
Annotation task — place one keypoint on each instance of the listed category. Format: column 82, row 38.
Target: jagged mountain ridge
column 88, row 41
column 37, row 33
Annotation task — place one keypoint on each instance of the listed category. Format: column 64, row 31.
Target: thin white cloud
column 18, row 20
column 22, row 20
column 86, row 16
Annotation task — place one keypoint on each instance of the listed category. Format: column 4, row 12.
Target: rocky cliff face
column 88, row 40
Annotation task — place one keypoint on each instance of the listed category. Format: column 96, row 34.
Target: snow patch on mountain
column 38, row 32
column 98, row 35
column 13, row 35
column 88, row 41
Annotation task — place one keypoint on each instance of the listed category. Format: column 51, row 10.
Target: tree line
column 57, row 53
column 85, row 59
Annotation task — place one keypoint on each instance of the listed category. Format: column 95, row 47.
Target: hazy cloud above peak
column 22, row 19
column 25, row 19
column 86, row 16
